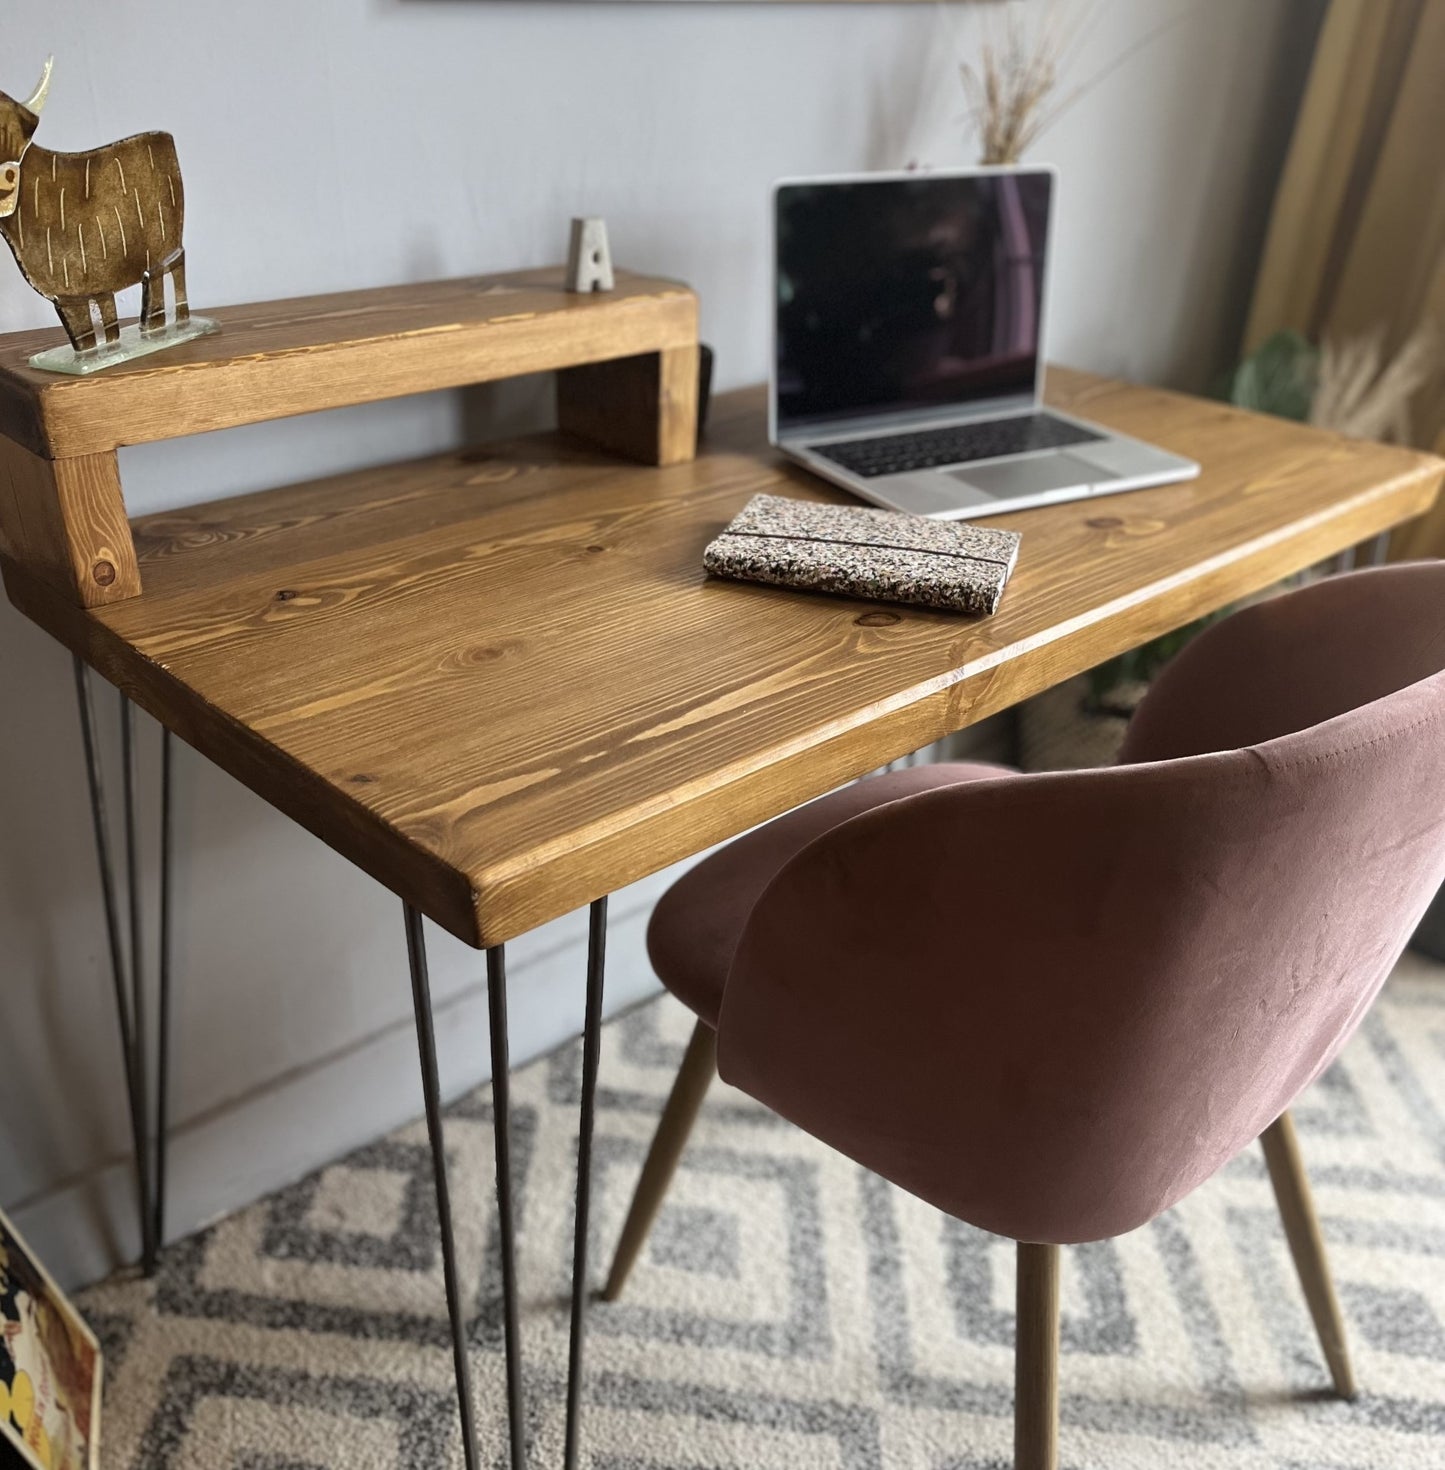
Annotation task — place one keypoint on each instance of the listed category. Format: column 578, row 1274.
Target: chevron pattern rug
column 792, row 1310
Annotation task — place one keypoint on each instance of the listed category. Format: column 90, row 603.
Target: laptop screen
column 921, row 292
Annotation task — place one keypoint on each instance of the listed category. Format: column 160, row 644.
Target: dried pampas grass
column 1013, row 91
column 1363, row 394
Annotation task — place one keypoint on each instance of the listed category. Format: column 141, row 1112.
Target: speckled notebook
column 855, row 552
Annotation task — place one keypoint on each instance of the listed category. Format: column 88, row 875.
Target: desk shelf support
column 65, row 518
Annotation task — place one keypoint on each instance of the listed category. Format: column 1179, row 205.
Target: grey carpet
column 794, row 1311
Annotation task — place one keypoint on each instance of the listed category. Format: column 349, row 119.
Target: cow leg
column 74, row 312
column 153, row 302
column 106, row 302
column 178, row 282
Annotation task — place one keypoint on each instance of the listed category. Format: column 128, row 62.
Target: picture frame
column 51, row 1368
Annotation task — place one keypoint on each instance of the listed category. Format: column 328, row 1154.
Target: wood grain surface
column 500, row 682
column 279, row 358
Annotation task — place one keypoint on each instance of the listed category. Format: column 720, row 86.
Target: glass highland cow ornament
column 83, row 226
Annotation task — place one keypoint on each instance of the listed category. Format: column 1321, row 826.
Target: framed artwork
column 50, row 1369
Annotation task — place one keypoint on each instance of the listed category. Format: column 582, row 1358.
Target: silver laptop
column 908, row 356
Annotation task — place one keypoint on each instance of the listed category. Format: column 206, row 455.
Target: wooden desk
column 500, row 683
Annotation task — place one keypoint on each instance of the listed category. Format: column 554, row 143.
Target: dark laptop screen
column 915, row 293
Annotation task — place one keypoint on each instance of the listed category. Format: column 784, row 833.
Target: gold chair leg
column 699, row 1067
column 1036, row 1359
column 1307, row 1246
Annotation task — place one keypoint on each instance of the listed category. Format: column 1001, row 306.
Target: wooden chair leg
column 699, row 1067
column 1307, row 1246
column 1036, row 1359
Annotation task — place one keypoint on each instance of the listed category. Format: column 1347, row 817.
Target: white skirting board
column 306, row 1118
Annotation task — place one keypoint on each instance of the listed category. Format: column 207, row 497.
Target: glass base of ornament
column 133, row 343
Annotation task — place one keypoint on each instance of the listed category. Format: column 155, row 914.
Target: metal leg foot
column 502, row 1135
column 591, row 1048
column 431, row 1092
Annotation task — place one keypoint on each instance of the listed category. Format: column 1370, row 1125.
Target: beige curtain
column 1357, row 237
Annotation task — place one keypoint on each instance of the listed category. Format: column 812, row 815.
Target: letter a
column 589, row 261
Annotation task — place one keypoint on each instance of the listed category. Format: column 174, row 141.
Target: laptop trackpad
column 1040, row 473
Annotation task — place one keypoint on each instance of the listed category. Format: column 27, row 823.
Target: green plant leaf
column 1280, row 377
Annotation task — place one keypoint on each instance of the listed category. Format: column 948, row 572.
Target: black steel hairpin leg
column 139, row 1040
column 127, row 980
column 163, row 1001
column 591, row 1048
column 502, row 1136
column 134, row 1088
column 431, row 1094
column 1377, row 556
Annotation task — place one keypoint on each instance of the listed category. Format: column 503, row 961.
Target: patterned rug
column 794, row 1311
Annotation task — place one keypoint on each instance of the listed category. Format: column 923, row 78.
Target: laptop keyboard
column 927, row 449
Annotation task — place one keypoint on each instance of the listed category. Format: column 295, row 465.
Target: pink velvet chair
column 1052, row 1005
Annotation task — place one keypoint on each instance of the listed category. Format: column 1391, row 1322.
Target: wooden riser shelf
column 627, row 380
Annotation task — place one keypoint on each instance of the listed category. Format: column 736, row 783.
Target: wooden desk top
column 500, row 682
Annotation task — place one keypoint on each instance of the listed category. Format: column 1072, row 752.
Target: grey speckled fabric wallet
column 856, row 552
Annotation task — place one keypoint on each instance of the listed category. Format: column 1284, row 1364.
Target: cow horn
column 38, row 100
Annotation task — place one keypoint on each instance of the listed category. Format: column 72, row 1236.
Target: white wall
column 337, row 143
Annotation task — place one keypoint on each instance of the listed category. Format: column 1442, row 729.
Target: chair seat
column 698, row 922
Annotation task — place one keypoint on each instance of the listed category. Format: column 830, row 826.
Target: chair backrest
column 1054, row 1004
